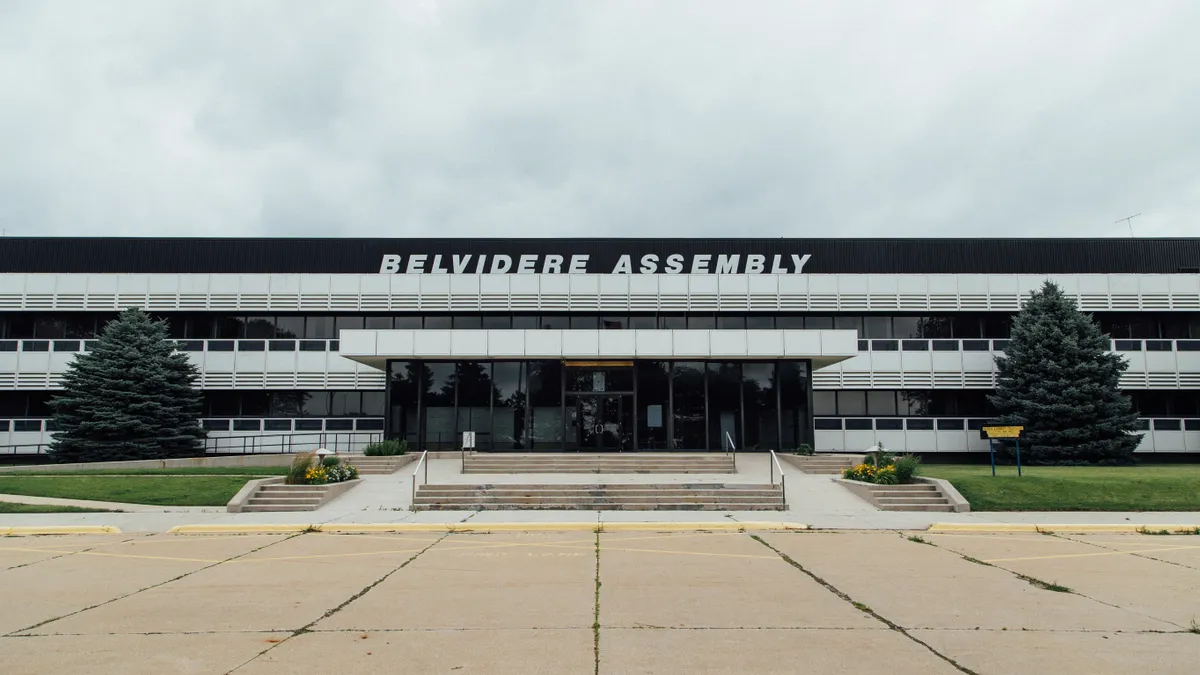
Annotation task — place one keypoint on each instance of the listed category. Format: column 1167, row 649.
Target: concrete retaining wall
column 187, row 462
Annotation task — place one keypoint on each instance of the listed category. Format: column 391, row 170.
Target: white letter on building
column 416, row 263
column 578, row 264
column 674, row 263
column 728, row 264
column 479, row 264
column 799, row 262
column 649, row 263
column 501, row 264
column 390, row 264
column 777, row 264
column 700, row 264
column 460, row 263
column 437, row 265
column 552, row 264
column 527, row 264
column 624, row 265
column 755, row 263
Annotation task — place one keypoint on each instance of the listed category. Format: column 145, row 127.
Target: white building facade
column 598, row 345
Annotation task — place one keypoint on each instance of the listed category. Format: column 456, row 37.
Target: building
column 599, row 344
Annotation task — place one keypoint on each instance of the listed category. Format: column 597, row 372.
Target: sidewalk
column 813, row 500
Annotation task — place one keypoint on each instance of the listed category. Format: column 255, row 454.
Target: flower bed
column 305, row 470
column 883, row 468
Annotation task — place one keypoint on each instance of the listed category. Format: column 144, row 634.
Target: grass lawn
column 156, row 490
column 10, row 507
column 188, row 471
column 1156, row 487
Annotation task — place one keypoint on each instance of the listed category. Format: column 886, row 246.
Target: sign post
column 992, row 432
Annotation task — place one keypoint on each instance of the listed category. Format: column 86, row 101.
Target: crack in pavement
column 66, row 554
column 864, row 608
column 141, row 590
column 1136, row 554
column 307, row 628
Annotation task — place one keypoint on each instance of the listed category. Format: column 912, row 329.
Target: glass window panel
column 643, row 321
column 555, row 321
column 438, row 404
column 584, row 322
column 345, row 404
column 687, row 379
column 377, row 322
column 255, row 403
column 793, row 404
column 724, row 405
column 967, row 327
column 760, row 322
column 319, row 328
column 600, row 379
column 914, row 403
column 881, row 403
column 438, row 322
column 228, row 328
column 508, row 405
column 372, row 403
column 497, row 322
column 407, row 322
column 790, row 322
column 672, row 321
column 289, row 326
column 825, row 403
column 473, row 380
column 816, row 322
column 404, row 378
column 614, row 322
column 199, row 328
column 259, row 328
column 936, row 327
column 525, row 321
column 286, row 403
column 761, row 408
column 906, row 326
column 731, row 322
column 20, row 326
column 545, row 405
column 996, row 325
column 854, row 323
column 315, row 404
column 49, row 327
column 701, row 322
column 877, row 327
column 653, row 386
column 852, row 403
column 467, row 322
column 348, row 323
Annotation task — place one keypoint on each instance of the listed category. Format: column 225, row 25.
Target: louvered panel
column 1093, row 302
column 101, row 301
column 673, row 301
column 1156, row 301
column 524, row 301
column 943, row 301
column 346, row 301
column 314, row 301
column 584, row 301
column 10, row 301
column 494, row 302
column 883, row 301
column 193, row 301
column 559, row 302
column 218, row 380
column 855, row 381
column 223, row 301
column 284, row 301
column 704, row 302
column 979, row 380
column 852, row 301
column 913, row 302
column 435, row 301
column 1185, row 301
column 643, row 303
column 70, row 301
column 464, row 302
column 1008, row 301
column 127, row 300
column 917, row 380
column 162, row 301
column 375, row 302
column 1189, row 380
column 254, row 301
column 765, row 302
column 876, row 380
column 1124, row 301
column 39, row 301
column 280, row 380
column 405, row 302
column 816, row 301
column 340, row 380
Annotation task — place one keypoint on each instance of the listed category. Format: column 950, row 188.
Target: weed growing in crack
column 977, row 561
column 1044, row 585
column 310, row 529
column 1165, row 532
column 596, row 611
column 1048, row 533
column 861, row 607
column 1195, row 628
column 918, row 539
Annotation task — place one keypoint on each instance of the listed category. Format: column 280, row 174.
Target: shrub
column 906, row 467
column 301, row 463
column 330, row 461
column 386, row 448
column 804, row 449
column 861, row 472
column 886, row 475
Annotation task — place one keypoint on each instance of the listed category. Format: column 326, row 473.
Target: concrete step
column 583, row 497
column 608, row 487
column 943, row 508
column 631, row 506
column 292, row 488
column 885, row 494
column 631, row 494
column 295, row 501
column 274, row 508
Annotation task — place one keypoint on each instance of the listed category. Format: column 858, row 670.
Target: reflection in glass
column 438, row 402
column 761, row 409
column 545, row 405
column 473, row 382
column 793, row 404
column 724, row 405
column 403, row 380
column 688, row 412
column 508, row 405
column 653, row 387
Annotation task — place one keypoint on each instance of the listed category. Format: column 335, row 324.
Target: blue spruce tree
column 130, row 397
column 1058, row 378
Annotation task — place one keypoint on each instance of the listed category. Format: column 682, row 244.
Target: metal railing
column 731, row 449
column 421, row 462
column 346, row 441
column 782, row 484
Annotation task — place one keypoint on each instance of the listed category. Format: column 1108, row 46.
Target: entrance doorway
column 600, row 422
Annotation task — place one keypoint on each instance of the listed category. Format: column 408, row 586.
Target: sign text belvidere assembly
column 676, row 263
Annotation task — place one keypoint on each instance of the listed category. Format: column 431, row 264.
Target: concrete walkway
column 108, row 506
column 813, row 500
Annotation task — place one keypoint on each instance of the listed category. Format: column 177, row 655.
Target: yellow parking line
column 1092, row 555
column 1048, row 527
column 721, row 526
column 59, row 529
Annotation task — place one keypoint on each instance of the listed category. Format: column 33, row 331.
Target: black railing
column 338, row 441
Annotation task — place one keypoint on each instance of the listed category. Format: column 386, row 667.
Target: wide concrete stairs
column 823, row 464
column 601, row 497
column 910, row 497
column 376, row 466
column 280, row 497
column 600, row 463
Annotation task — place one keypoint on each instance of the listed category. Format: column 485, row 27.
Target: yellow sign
column 1003, row 432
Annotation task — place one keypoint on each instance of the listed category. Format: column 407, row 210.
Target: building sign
column 649, row 263
column 1002, row 432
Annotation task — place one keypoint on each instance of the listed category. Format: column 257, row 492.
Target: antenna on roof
column 1128, row 221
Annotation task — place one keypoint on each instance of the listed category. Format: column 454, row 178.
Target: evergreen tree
column 1059, row 380
column 130, row 397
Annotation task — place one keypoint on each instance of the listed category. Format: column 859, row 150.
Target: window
column 759, row 398
column 915, row 424
column 885, row 345
column 319, row 327
column 731, row 322
column 525, row 321
column 289, row 326
column 555, row 322
column 467, row 322
column 643, row 321
column 688, row 411
column 653, row 415
column 881, row 403
column 824, row 402
column 828, row 424
column 672, row 321
column 945, row 345
column 612, row 322
column 889, row 424
column 724, row 405
column 377, row 323
column 701, row 322
column 259, row 328
column 852, row 402
column 877, row 327
column 497, row 322
column 790, row 322
column 906, row 326
column 950, row 425
column 407, row 322
column 438, row 322
column 854, row 323
column 858, row 424
column 508, row 405
column 585, row 322
column 812, row 323
column 760, row 322
column 915, row 345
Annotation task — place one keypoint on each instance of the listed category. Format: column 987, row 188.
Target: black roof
column 363, row 256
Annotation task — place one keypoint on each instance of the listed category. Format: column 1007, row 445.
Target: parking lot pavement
column 613, row 602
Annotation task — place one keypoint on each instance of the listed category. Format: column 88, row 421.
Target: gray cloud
column 556, row 118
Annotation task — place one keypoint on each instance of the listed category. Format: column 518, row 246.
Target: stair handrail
column 729, row 440
column 782, row 485
column 421, row 462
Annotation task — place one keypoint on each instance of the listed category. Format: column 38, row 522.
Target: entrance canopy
column 821, row 347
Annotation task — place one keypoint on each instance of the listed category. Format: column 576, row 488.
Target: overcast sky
column 588, row 118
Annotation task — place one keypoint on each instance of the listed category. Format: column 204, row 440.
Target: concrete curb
column 1087, row 528
column 952, row 495
column 59, row 529
column 721, row 526
column 239, row 500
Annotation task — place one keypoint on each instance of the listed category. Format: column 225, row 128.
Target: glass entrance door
column 601, row 422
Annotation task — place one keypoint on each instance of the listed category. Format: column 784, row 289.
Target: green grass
column 154, row 490
column 1158, row 487
column 11, row 507
column 187, row 471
